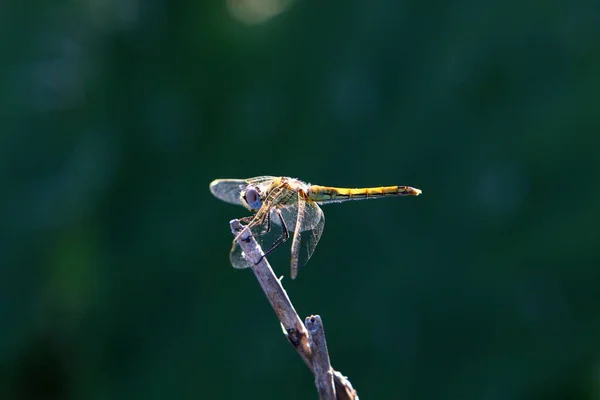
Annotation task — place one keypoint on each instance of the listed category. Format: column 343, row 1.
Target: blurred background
column 115, row 115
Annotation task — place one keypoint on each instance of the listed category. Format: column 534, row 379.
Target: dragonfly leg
column 285, row 235
column 245, row 223
column 246, row 220
column 268, row 228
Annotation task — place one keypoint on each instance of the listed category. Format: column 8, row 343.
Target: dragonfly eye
column 253, row 198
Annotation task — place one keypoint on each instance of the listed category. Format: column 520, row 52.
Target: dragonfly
column 293, row 206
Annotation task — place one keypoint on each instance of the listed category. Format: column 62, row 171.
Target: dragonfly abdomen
column 332, row 194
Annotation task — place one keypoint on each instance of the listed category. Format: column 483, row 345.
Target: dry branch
column 310, row 344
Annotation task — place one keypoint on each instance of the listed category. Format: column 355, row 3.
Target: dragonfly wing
column 308, row 228
column 236, row 256
column 229, row 190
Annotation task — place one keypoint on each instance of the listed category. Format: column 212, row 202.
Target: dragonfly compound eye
column 253, row 198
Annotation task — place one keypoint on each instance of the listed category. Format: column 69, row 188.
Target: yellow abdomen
column 326, row 194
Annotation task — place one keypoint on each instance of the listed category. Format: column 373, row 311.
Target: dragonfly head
column 251, row 198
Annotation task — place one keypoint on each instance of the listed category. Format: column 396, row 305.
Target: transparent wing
column 229, row 190
column 307, row 228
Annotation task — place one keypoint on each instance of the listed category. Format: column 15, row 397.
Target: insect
column 292, row 205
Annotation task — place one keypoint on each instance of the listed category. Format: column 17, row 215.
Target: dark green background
column 116, row 115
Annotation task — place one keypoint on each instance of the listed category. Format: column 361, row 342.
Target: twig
column 311, row 348
column 321, row 364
